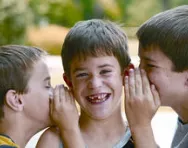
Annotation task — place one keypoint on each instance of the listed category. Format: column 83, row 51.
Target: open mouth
column 98, row 98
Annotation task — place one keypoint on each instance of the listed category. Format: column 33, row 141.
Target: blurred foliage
column 13, row 21
column 61, row 12
column 17, row 15
column 67, row 12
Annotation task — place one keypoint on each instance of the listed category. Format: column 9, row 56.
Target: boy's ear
column 126, row 71
column 67, row 80
column 14, row 100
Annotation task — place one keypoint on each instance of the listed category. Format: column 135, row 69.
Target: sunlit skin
column 28, row 113
column 171, row 85
column 97, row 77
column 96, row 83
column 37, row 97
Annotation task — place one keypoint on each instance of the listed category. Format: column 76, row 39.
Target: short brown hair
column 16, row 63
column 95, row 37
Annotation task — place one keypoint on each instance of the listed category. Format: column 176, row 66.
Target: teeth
column 101, row 96
column 97, row 101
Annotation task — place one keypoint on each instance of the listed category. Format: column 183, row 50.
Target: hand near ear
column 141, row 103
column 65, row 115
column 63, row 108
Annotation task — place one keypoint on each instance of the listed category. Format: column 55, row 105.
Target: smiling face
column 36, row 105
column 171, row 85
column 97, row 85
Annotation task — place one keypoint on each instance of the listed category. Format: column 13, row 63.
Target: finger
column 56, row 100
column 126, row 87
column 155, row 95
column 138, row 82
column 131, row 83
column 67, row 96
column 62, row 97
column 146, row 84
column 71, row 96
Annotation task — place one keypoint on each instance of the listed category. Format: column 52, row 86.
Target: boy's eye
column 150, row 65
column 105, row 71
column 48, row 86
column 81, row 75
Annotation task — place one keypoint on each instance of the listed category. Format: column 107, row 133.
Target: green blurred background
column 44, row 23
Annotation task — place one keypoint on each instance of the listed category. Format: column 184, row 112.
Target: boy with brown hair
column 163, row 51
column 24, row 90
column 25, row 93
column 95, row 56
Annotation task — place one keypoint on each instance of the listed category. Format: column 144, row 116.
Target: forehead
column 39, row 72
column 154, row 54
column 94, row 61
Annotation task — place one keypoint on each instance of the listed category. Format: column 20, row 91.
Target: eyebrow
column 100, row 66
column 47, row 78
column 148, row 59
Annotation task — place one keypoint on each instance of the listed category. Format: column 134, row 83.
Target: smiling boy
column 95, row 55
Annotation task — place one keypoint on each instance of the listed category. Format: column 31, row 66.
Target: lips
column 98, row 98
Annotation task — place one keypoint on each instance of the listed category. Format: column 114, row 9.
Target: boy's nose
column 94, row 82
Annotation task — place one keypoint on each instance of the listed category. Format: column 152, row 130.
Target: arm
column 141, row 103
column 65, row 115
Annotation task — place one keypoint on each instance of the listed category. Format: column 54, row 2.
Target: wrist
column 71, row 130
column 141, row 128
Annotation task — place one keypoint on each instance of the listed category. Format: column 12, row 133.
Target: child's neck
column 182, row 113
column 111, row 124
column 109, row 129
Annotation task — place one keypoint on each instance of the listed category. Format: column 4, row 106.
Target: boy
column 25, row 89
column 24, row 96
column 95, row 56
column 163, row 51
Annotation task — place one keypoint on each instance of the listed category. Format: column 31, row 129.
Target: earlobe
column 14, row 100
column 131, row 66
column 126, row 71
column 67, row 81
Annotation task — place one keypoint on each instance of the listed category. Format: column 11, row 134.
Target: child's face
column 170, row 84
column 37, row 98
column 97, row 85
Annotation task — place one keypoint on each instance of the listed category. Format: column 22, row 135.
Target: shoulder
column 50, row 138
